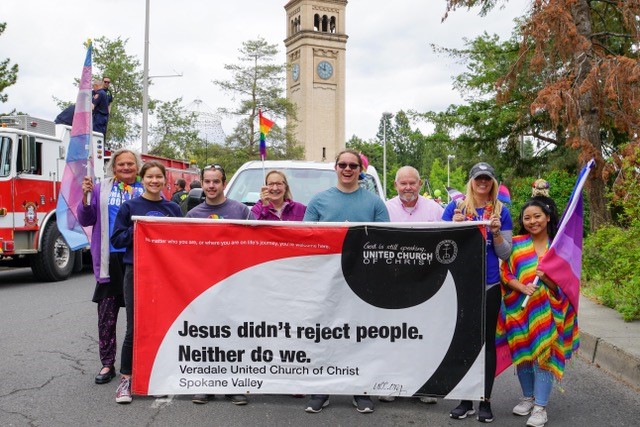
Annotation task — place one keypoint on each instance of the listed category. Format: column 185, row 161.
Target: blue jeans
column 535, row 382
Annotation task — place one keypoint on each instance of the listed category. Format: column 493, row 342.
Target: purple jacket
column 90, row 216
column 293, row 211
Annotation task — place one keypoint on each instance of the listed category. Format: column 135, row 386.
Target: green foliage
column 259, row 84
column 175, row 132
column 611, row 261
column 8, row 73
column 561, row 185
column 625, row 191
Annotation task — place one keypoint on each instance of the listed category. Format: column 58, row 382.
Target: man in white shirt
column 409, row 205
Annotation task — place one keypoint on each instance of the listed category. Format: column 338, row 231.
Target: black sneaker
column 237, row 399
column 200, row 398
column 363, row 404
column 462, row 410
column 484, row 412
column 316, row 403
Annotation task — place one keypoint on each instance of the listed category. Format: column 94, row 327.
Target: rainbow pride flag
column 78, row 164
column 265, row 127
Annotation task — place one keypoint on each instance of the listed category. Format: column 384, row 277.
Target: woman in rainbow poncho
column 542, row 335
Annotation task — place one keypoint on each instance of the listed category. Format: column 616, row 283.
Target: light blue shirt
column 333, row 205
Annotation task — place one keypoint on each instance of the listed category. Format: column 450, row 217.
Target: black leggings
column 127, row 346
column 491, row 321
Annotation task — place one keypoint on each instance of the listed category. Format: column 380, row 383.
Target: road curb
column 611, row 358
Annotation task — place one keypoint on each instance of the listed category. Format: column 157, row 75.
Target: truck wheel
column 55, row 260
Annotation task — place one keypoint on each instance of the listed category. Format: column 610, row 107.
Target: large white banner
column 230, row 307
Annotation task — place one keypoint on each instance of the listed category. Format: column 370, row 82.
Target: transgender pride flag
column 79, row 164
column 563, row 262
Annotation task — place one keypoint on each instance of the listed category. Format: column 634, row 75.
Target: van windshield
column 304, row 184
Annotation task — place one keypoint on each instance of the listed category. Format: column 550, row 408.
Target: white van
column 305, row 178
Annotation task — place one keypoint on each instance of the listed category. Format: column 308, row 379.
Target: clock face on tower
column 325, row 70
column 295, row 72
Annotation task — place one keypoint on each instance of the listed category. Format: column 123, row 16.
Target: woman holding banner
column 150, row 203
column 276, row 202
column 543, row 334
column 481, row 204
column 99, row 211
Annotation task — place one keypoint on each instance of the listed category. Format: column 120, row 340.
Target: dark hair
column 181, row 183
column 152, row 164
column 195, row 184
column 547, row 208
column 215, row 167
column 350, row 151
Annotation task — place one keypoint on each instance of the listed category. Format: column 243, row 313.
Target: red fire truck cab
column 32, row 160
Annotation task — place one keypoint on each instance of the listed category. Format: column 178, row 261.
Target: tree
column 111, row 59
column 8, row 73
column 175, row 133
column 584, row 53
column 259, row 84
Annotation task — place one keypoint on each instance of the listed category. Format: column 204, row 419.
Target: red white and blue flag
column 78, row 164
column 563, row 261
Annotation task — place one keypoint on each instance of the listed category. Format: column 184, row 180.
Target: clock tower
column 316, row 46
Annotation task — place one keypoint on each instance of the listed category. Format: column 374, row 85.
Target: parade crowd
column 541, row 336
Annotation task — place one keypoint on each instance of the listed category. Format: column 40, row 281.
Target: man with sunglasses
column 216, row 205
column 345, row 202
column 106, row 83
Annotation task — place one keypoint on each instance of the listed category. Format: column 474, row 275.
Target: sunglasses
column 106, row 81
column 352, row 166
column 216, row 167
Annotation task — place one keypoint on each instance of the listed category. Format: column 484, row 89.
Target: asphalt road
column 48, row 359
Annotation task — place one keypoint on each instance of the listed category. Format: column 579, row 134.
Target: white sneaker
column 428, row 399
column 525, row 406
column 386, row 398
column 538, row 417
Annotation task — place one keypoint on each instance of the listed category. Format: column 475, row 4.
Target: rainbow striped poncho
column 546, row 330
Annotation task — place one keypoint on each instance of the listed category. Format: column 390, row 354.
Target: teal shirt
column 333, row 205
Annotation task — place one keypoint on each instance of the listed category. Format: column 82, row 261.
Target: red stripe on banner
column 202, row 242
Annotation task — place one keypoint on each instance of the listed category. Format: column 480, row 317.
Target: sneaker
column 363, row 404
column 484, row 412
column 237, row 399
column 386, row 398
column 316, row 403
column 123, row 393
column 524, row 407
column 428, row 399
column 538, row 417
column 462, row 410
column 200, row 398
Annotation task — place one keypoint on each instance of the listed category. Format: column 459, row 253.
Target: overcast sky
column 390, row 64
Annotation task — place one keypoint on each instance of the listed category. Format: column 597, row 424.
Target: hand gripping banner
column 287, row 308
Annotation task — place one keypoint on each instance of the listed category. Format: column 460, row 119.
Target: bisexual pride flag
column 563, row 261
column 79, row 164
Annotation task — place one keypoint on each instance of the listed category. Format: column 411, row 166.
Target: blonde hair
column 468, row 205
column 287, row 190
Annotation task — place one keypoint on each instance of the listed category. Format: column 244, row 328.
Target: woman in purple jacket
column 276, row 202
column 99, row 212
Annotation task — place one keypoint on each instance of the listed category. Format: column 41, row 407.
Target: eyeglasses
column 275, row 184
column 352, row 166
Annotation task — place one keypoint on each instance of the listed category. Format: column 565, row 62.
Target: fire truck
column 32, row 160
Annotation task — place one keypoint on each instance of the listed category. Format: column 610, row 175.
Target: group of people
column 541, row 337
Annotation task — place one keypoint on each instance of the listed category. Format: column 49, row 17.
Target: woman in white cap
column 481, row 204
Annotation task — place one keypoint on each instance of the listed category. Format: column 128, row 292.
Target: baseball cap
column 480, row 169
